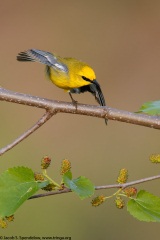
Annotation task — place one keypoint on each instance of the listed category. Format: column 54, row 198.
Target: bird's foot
column 75, row 103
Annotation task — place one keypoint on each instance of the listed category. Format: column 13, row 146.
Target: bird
column 70, row 74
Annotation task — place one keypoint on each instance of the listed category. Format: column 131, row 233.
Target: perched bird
column 69, row 74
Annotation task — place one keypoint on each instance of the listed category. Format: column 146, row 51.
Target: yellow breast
column 72, row 78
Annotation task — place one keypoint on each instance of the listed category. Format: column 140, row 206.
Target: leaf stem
column 50, row 179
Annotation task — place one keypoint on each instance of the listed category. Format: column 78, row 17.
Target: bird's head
column 87, row 72
column 79, row 68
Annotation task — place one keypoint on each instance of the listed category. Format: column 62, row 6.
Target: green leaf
column 82, row 186
column 145, row 207
column 16, row 186
column 152, row 108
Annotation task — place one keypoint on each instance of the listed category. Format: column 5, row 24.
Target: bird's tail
column 95, row 89
column 47, row 58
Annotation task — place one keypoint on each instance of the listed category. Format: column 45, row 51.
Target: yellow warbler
column 69, row 74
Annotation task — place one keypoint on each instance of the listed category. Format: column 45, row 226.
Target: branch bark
column 88, row 110
column 53, row 107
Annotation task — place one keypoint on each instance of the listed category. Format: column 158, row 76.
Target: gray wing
column 47, row 58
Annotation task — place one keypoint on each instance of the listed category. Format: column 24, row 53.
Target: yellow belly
column 66, row 81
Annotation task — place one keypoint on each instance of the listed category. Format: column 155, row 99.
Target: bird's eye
column 86, row 79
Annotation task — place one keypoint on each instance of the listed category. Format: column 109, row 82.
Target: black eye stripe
column 86, row 79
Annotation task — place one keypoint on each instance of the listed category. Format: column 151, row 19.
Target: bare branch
column 88, row 110
column 124, row 185
column 37, row 125
column 128, row 184
column 47, row 194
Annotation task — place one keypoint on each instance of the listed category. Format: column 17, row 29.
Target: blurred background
column 121, row 41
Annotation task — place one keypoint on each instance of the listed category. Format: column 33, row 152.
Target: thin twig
column 47, row 194
column 128, row 184
column 37, row 125
column 88, row 110
column 124, row 185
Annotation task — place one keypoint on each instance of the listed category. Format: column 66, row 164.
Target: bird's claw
column 75, row 103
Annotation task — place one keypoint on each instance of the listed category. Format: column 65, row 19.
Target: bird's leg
column 106, row 121
column 73, row 101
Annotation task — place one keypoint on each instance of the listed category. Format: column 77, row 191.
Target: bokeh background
column 121, row 41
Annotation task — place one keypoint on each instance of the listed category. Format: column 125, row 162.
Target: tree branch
column 88, row 110
column 124, row 185
column 37, row 125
